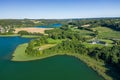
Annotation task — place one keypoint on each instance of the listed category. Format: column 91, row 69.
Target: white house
column 86, row 25
column 1, row 29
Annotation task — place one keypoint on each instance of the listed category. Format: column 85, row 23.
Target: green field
column 30, row 36
column 53, row 41
column 82, row 32
column 23, row 36
column 20, row 55
column 107, row 33
column 11, row 35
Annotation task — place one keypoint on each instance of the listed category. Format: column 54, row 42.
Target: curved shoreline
column 20, row 55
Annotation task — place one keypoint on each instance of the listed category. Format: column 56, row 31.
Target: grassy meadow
column 104, row 32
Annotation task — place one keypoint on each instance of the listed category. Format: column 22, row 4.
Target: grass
column 30, row 36
column 105, row 32
column 11, row 35
column 53, row 41
column 107, row 41
column 20, row 55
column 24, row 36
column 88, row 45
column 83, row 32
column 45, row 46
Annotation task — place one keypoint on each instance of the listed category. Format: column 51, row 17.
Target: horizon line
column 63, row 18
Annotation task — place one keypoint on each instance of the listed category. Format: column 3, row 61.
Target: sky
column 58, row 9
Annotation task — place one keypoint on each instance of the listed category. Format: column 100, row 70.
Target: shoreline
column 20, row 55
column 97, row 66
column 28, row 29
column 17, row 35
column 11, row 35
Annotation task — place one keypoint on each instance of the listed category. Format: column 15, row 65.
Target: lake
column 54, row 68
column 57, row 25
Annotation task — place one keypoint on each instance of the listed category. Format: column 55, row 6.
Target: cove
column 53, row 68
column 8, row 45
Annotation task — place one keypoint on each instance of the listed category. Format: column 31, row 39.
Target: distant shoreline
column 29, row 29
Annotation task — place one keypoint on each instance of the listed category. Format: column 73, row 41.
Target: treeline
column 47, row 22
column 66, row 33
column 113, row 23
column 68, row 46
column 15, row 23
column 29, row 33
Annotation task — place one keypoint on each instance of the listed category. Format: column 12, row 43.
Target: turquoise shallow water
column 54, row 68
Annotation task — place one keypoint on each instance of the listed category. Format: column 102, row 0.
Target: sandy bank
column 32, row 30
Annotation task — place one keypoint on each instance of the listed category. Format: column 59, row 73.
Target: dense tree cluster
column 31, row 50
column 113, row 23
column 66, row 33
column 110, row 55
column 28, row 33
column 68, row 46
column 16, row 23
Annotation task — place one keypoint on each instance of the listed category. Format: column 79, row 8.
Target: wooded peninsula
column 94, row 41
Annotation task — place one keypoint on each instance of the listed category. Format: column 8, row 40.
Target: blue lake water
column 54, row 68
column 57, row 25
column 8, row 45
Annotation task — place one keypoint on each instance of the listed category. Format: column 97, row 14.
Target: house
column 1, row 29
column 86, row 25
column 39, row 48
column 99, row 42
column 95, row 42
